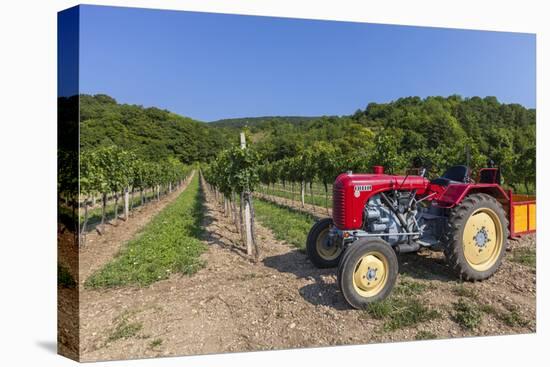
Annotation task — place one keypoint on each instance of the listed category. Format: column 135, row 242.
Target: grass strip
column 168, row 244
column 318, row 200
column 525, row 256
column 286, row 224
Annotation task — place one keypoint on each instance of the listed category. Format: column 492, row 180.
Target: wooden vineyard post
column 303, row 193
column 311, row 196
column 241, row 216
column 126, row 202
column 251, row 248
column 326, row 197
column 234, row 211
column 82, row 241
column 103, row 211
column 248, row 226
column 116, row 207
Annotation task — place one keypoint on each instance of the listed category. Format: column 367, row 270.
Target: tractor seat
column 455, row 174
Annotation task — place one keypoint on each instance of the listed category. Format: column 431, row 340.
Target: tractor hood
column 352, row 191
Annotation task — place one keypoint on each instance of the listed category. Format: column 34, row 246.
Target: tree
column 386, row 152
column 326, row 160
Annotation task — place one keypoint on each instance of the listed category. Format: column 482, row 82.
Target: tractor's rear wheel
column 476, row 237
column 322, row 252
column 367, row 272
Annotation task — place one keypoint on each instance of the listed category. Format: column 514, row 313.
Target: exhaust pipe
column 378, row 170
column 407, row 247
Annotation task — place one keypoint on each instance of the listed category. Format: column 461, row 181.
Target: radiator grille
column 338, row 205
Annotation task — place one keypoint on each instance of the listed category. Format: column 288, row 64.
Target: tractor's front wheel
column 476, row 237
column 321, row 251
column 367, row 272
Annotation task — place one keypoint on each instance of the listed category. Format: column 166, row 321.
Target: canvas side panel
column 67, row 183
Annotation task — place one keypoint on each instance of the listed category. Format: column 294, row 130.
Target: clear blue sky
column 213, row 66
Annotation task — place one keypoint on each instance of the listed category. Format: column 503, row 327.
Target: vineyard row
column 110, row 172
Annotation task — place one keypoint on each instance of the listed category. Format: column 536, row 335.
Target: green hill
column 151, row 132
column 398, row 134
column 438, row 131
column 260, row 123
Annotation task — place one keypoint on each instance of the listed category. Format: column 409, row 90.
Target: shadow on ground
column 324, row 291
column 426, row 265
column 48, row 345
column 213, row 237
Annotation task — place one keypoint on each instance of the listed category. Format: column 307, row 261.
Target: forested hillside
column 436, row 132
column 151, row 133
column 260, row 123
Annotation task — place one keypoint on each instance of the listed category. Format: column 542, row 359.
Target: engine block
column 380, row 219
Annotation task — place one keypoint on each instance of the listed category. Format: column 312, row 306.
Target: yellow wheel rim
column 371, row 274
column 482, row 239
column 324, row 249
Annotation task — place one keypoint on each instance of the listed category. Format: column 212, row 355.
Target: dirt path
column 100, row 249
column 281, row 302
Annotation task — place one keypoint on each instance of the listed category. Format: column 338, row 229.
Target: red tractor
column 377, row 216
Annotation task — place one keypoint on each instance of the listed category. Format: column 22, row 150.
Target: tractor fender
column 455, row 193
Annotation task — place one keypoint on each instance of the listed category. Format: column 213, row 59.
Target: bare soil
column 280, row 302
column 67, row 298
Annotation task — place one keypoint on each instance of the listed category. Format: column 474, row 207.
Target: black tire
column 458, row 246
column 350, row 268
column 343, row 258
column 314, row 246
